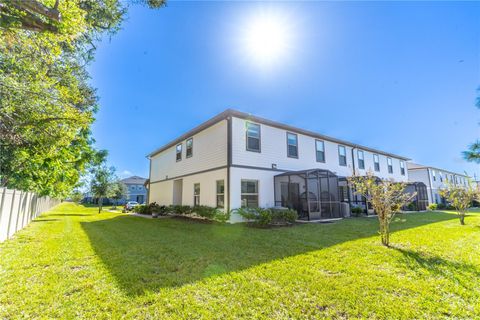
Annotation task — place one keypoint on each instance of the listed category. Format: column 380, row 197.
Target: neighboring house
column 136, row 189
column 435, row 179
column 238, row 160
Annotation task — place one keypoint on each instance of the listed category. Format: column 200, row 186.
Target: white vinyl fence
column 18, row 208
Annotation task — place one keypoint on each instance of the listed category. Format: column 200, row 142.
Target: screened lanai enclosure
column 420, row 201
column 314, row 193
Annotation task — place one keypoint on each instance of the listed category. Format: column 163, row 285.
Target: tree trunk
column 384, row 232
column 100, row 203
column 462, row 218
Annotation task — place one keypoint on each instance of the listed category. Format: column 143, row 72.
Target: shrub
column 142, row 209
column 268, row 216
column 441, row 206
column 283, row 216
column 432, row 206
column 357, row 211
column 150, row 208
column 180, row 210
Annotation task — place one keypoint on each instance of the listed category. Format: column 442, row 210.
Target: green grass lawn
column 75, row 263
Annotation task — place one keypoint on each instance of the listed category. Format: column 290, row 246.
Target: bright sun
column 267, row 38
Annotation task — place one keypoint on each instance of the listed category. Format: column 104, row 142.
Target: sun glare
column 267, row 38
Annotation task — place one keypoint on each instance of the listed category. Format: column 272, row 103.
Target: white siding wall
column 162, row 192
column 274, row 150
column 265, row 187
column 209, row 151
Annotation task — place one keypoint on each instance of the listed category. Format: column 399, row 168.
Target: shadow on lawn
column 441, row 267
column 147, row 255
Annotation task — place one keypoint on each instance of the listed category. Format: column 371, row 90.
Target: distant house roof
column 416, row 166
column 134, row 180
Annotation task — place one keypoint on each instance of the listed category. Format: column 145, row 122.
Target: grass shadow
column 148, row 255
column 439, row 266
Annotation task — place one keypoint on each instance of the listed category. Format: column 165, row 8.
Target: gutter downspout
column 229, row 158
column 430, row 183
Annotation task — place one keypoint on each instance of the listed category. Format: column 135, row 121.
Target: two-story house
column 435, row 179
column 238, row 160
column 136, row 189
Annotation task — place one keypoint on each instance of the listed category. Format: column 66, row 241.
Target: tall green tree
column 120, row 191
column 102, row 184
column 46, row 103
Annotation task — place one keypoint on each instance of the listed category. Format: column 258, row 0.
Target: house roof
column 134, row 180
column 416, row 166
column 242, row 115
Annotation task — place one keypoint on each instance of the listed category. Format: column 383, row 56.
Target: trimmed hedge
column 268, row 216
column 151, row 209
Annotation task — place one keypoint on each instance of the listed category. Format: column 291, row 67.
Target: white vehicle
column 130, row 205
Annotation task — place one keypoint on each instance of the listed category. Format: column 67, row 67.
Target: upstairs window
column 361, row 159
column 249, row 193
column 434, row 176
column 390, row 165
column 342, row 155
column 440, row 176
column 189, row 147
column 402, row 168
column 221, row 194
column 253, row 137
column 320, row 150
column 179, row 152
column 196, row 194
column 292, row 145
column 376, row 162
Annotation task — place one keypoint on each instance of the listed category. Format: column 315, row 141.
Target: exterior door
column 177, row 192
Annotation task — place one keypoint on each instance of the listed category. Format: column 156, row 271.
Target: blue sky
column 400, row 77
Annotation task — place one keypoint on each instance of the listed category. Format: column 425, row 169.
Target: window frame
column 196, row 197
column 316, row 150
column 247, row 123
column 434, row 176
column 288, row 145
column 220, row 194
column 177, row 153
column 389, row 165
column 187, row 148
column 402, row 167
column 257, row 193
column 362, row 160
column 340, row 146
column 376, row 164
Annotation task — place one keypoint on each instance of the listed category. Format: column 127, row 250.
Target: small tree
column 102, row 184
column 76, row 196
column 120, row 192
column 386, row 198
column 460, row 197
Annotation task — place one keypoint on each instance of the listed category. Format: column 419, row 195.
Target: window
column 342, row 155
column 179, row 152
column 189, row 147
column 390, row 165
column 376, row 162
column 196, row 194
column 402, row 168
column 440, row 176
column 292, row 145
column 249, row 195
column 253, row 137
column 434, row 176
column 220, row 193
column 320, row 150
column 361, row 160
